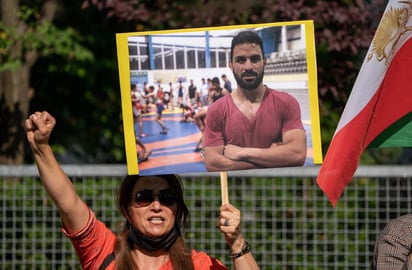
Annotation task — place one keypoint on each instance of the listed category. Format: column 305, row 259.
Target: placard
column 161, row 114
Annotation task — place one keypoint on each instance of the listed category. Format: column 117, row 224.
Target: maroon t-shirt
column 226, row 124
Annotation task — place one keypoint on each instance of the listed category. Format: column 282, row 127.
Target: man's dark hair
column 245, row 37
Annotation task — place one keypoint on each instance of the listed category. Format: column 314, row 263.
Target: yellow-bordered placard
column 169, row 56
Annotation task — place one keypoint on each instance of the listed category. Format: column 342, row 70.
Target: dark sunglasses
column 145, row 197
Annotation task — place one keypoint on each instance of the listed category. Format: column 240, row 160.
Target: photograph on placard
column 219, row 99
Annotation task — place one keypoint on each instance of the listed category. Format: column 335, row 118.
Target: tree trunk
column 15, row 86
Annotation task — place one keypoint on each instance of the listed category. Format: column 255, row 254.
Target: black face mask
column 152, row 244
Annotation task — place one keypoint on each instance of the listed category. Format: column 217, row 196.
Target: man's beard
column 249, row 84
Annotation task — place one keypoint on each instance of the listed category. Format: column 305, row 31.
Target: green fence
column 286, row 218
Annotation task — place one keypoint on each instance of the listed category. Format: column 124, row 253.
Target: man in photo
column 254, row 126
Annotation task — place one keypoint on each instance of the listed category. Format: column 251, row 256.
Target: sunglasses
column 145, row 197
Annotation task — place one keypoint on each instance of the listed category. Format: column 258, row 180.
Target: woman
column 155, row 214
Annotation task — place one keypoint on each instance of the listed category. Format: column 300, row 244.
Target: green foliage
column 48, row 40
column 6, row 42
column 84, row 96
column 41, row 38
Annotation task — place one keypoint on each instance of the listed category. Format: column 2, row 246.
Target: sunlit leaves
column 42, row 38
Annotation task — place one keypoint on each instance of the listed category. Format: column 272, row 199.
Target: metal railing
column 286, row 218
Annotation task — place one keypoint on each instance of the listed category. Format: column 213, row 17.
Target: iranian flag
column 379, row 110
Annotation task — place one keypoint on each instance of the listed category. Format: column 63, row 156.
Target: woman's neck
column 149, row 260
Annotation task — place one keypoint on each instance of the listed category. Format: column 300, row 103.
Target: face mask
column 152, row 244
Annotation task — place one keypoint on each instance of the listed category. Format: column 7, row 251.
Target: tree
column 84, row 96
column 26, row 33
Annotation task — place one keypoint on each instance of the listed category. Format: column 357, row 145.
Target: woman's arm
column 229, row 220
column 73, row 210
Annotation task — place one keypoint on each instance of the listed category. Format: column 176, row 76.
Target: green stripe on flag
column 398, row 134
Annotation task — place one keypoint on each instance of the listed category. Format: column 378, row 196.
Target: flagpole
column 224, row 187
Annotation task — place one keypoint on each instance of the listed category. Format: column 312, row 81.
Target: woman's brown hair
column 179, row 254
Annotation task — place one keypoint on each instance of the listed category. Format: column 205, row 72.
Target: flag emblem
column 390, row 30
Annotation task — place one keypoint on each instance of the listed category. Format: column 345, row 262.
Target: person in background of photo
column 167, row 99
column 192, row 93
column 155, row 216
column 205, row 92
column 215, row 93
column 144, row 153
column 160, row 93
column 181, row 93
column 172, row 96
column 138, row 107
column 199, row 96
column 188, row 113
column 146, row 94
column 226, row 83
column 158, row 102
column 159, row 111
column 393, row 249
column 254, row 126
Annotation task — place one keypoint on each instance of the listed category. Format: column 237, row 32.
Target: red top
column 95, row 242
